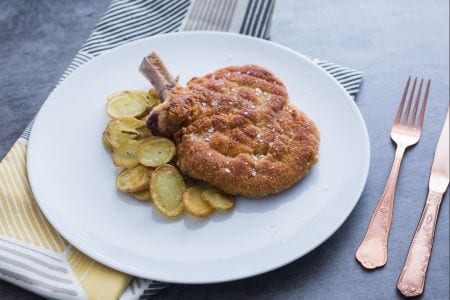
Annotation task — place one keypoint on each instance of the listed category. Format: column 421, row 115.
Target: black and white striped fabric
column 128, row 20
column 350, row 79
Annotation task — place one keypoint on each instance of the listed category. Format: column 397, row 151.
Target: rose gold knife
column 412, row 278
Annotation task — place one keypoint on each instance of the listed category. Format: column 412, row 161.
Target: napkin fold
column 32, row 254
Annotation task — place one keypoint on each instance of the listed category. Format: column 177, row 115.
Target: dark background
column 386, row 39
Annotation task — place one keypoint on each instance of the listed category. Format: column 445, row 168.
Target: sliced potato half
column 124, row 129
column 166, row 188
column 153, row 101
column 142, row 195
column 193, row 201
column 128, row 104
column 125, row 155
column 156, row 151
column 133, row 180
column 143, row 132
column 107, row 140
column 217, row 199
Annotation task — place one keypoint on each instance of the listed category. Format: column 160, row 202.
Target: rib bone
column 154, row 70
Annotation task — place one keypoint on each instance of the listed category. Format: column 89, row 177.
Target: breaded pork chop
column 236, row 129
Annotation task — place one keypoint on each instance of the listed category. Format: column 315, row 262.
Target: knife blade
column 440, row 178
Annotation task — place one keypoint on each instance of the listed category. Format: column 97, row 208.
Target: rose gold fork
column 372, row 253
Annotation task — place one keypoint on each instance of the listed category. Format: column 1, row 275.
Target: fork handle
column 372, row 253
column 412, row 278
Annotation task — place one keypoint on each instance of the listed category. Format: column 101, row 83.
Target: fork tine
column 424, row 104
column 416, row 104
column 408, row 107
column 402, row 102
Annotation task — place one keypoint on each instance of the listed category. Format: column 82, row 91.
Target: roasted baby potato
column 153, row 98
column 125, row 155
column 143, row 132
column 142, row 195
column 133, row 180
column 128, row 104
column 156, row 151
column 195, row 204
column 107, row 141
column 166, row 188
column 217, row 199
column 124, row 129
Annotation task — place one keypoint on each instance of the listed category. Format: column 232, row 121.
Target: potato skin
column 156, row 151
column 166, row 188
column 142, row 195
column 123, row 129
column 132, row 180
column 128, row 104
column 217, row 199
column 107, row 141
column 125, row 155
column 195, row 204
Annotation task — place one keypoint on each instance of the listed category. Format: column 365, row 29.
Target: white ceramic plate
column 72, row 176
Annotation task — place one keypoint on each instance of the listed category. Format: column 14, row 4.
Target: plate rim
column 107, row 261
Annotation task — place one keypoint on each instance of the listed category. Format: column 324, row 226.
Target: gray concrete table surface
column 386, row 39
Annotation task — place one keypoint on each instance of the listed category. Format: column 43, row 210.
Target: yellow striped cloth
column 27, row 239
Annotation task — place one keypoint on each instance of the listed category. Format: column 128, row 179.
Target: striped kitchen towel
column 32, row 254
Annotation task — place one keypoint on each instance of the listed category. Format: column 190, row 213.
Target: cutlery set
column 405, row 132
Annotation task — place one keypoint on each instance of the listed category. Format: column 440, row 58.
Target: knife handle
column 372, row 253
column 412, row 278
